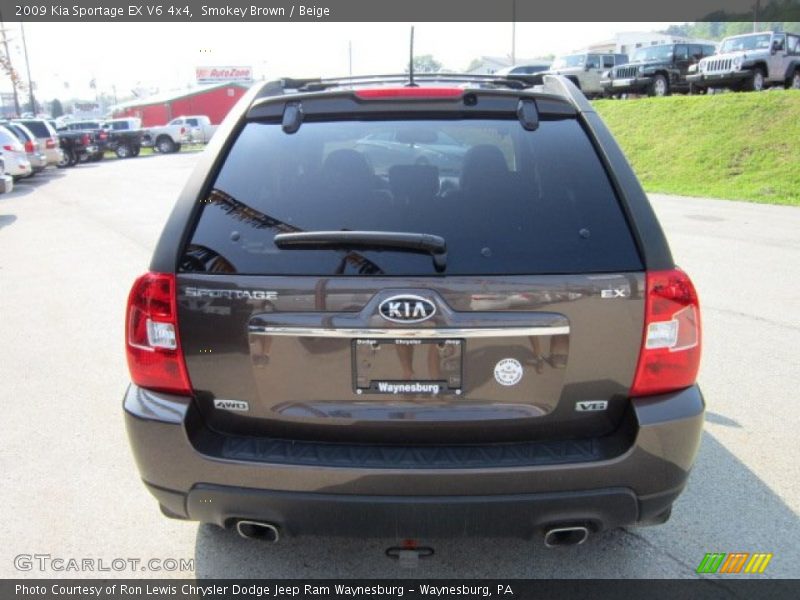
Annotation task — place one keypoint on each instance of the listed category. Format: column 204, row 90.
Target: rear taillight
column 85, row 139
column 155, row 359
column 409, row 92
column 30, row 147
column 670, row 354
column 51, row 143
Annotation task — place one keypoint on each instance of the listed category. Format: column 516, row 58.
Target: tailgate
column 535, row 357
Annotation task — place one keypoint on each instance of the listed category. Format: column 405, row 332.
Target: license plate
column 408, row 366
column 622, row 82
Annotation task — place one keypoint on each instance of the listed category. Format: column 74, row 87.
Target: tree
column 476, row 62
column 425, row 63
column 678, row 30
column 56, row 109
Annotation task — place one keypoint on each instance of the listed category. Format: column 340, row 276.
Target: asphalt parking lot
column 72, row 241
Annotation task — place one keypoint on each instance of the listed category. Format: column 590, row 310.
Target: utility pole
column 28, row 69
column 350, row 57
column 757, row 9
column 513, row 32
column 10, row 66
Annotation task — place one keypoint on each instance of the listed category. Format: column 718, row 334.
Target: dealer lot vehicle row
column 748, row 62
column 30, row 145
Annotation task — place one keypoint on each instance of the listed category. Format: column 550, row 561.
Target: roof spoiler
column 549, row 84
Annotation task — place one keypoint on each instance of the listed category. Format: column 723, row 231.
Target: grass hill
column 738, row 146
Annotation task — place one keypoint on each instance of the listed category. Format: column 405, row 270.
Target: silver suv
column 753, row 62
column 585, row 69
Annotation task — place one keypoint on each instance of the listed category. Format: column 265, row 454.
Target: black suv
column 656, row 70
column 414, row 310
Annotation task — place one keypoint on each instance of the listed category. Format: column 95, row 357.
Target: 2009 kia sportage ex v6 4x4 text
column 414, row 311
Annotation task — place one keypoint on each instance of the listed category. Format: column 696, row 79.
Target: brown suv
column 382, row 309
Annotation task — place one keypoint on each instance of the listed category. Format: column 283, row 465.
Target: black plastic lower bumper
column 344, row 493
column 519, row 515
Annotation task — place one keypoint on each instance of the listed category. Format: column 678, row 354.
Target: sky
column 65, row 57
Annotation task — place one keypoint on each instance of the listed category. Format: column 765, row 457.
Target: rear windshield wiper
column 371, row 240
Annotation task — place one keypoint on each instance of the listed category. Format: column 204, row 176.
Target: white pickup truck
column 193, row 129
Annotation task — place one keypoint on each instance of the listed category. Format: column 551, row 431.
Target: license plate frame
column 373, row 375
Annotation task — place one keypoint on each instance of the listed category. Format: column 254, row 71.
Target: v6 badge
column 591, row 405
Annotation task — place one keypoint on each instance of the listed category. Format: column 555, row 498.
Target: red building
column 214, row 101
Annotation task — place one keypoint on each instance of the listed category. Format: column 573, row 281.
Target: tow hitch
column 409, row 553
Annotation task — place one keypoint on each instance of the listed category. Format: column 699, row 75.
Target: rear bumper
column 54, row 156
column 38, row 162
column 730, row 78
column 634, row 486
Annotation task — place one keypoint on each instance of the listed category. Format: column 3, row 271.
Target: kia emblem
column 407, row 309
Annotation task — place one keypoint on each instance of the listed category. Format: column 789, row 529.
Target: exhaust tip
column 257, row 530
column 566, row 536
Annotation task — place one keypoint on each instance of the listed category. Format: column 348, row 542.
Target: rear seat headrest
column 414, row 180
column 483, row 165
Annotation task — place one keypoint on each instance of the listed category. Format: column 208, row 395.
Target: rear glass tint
column 39, row 128
column 506, row 200
column 21, row 134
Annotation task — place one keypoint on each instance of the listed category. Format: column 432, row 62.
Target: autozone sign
column 218, row 74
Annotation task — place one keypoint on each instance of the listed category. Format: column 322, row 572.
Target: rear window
column 506, row 200
column 39, row 128
column 19, row 132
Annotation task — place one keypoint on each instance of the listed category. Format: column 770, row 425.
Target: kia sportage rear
column 447, row 309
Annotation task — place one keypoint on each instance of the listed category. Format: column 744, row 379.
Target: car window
column 793, row 44
column 758, row 41
column 38, row 128
column 608, row 61
column 573, row 60
column 18, row 132
column 593, row 61
column 7, row 137
column 506, row 200
column 779, row 43
column 193, row 122
column 176, row 122
column 382, row 136
column 653, row 53
column 681, row 52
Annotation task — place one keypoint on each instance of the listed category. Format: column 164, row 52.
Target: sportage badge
column 407, row 309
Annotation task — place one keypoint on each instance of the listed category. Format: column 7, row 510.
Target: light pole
column 28, row 69
column 513, row 32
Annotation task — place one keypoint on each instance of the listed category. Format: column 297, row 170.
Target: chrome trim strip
column 475, row 332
